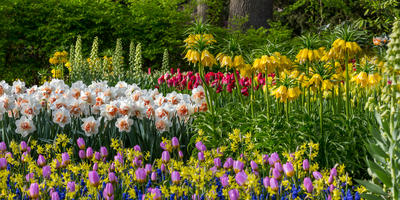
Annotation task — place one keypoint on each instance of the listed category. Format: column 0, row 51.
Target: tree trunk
column 257, row 12
column 201, row 10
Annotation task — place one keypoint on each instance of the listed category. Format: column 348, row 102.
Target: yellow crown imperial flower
column 207, row 59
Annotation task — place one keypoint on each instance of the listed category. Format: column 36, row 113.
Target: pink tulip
column 34, row 191
column 156, row 193
column 23, row 146
column 112, row 178
column 288, row 169
column 108, row 191
column 238, row 166
column 317, row 175
column 273, row 183
column 234, row 194
column 41, row 161
column 308, row 185
column 306, row 165
column 175, row 177
column 165, row 157
column 224, row 180
column 82, row 154
column 3, row 163
column 254, row 165
column 71, row 186
column 81, row 143
column 103, row 152
column 266, row 182
column 3, row 147
column 175, row 142
column 217, row 162
column 89, row 153
column 94, row 179
column 140, row 175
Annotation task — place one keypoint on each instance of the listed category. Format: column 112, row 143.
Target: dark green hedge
column 31, row 30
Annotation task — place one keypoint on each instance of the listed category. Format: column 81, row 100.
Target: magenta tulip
column 200, row 156
column 278, row 166
column 89, row 153
column 65, row 159
column 23, row 146
column 333, row 172
column 180, row 154
column 55, row 196
column 224, row 180
column 317, row 175
column 276, row 174
column 82, row 154
column 217, row 162
column 103, row 152
column 137, row 148
column 71, row 186
column 156, row 193
column 273, row 184
column 108, row 191
column 153, row 176
column 254, row 165
column 112, row 178
column 238, row 166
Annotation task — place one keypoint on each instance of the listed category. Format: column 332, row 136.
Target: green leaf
column 381, row 173
column 371, row 187
column 371, row 197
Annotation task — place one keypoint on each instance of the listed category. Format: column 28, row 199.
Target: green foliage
column 337, row 145
column 30, row 30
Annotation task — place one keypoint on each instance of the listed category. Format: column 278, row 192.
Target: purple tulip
column 175, row 177
column 136, row 148
column 82, row 154
column 254, row 165
column 24, row 156
column 71, row 186
column 278, row 166
column 165, row 156
column 156, row 193
column 317, row 175
column 234, row 194
column 200, row 146
column 148, row 168
column 224, row 180
column 81, row 143
column 3, row 163
column 308, row 185
column 180, row 154
column 54, row 196
column 238, row 166
column 331, row 188
column 112, row 178
column 111, row 168
column 241, row 178
column 266, row 182
column 228, row 163
column 329, row 197
column 276, row 174
column 333, row 172
column 288, row 169
column 23, row 146
column 217, row 162
column 65, row 159
column 330, row 180
column 153, row 176
column 28, row 149
column 89, row 153
column 3, row 147
column 108, row 191
column 41, row 161
column 140, row 175
column 34, row 191
column 97, row 156
column 119, row 158
column 29, row 176
column 175, row 142
column 306, row 165
column 94, row 179
column 95, row 167
column 104, row 152
column 163, row 145
column 200, row 156
column 162, row 167
column 46, row 171
column 274, row 158
column 273, row 183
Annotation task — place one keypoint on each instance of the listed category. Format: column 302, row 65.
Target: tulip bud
column 89, row 153
column 266, row 182
column 81, row 143
column 273, row 183
column 41, row 161
column 241, row 178
column 95, row 167
column 234, row 194
column 238, row 166
column 180, row 154
column 97, row 156
column 46, row 171
column 175, row 142
column 254, row 165
column 34, row 191
column 217, row 162
column 165, row 156
column 82, row 154
column 3, row 163
column 306, row 165
column 200, row 156
column 71, row 186
column 224, row 180
column 140, row 175
column 3, row 147
column 136, row 148
column 54, row 196
column 317, row 175
column 23, row 146
column 288, row 168
column 108, row 191
column 308, row 185
column 175, row 177
column 94, row 179
column 104, row 152
column 153, row 176
column 112, row 178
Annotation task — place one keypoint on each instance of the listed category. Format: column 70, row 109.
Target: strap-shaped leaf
column 380, row 173
column 371, row 197
column 371, row 187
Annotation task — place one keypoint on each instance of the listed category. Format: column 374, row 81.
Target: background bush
column 31, row 30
